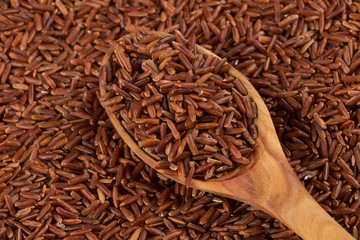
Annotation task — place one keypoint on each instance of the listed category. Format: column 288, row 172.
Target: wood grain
column 270, row 184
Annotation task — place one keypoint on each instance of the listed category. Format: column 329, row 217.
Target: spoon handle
column 304, row 215
column 273, row 187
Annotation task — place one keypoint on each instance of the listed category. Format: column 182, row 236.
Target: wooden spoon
column 269, row 184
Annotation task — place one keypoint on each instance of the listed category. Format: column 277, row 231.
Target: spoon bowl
column 267, row 183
